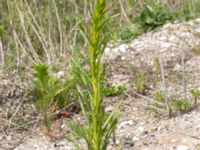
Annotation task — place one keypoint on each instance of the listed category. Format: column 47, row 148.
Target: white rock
column 167, row 25
column 129, row 122
column 173, row 39
column 107, row 50
column 122, row 48
column 197, row 30
column 109, row 108
column 141, row 129
column 165, row 45
column 182, row 147
column 163, row 38
column 197, row 20
column 139, row 132
column 177, row 67
column 123, row 58
column 60, row 74
column 135, row 138
column 116, row 50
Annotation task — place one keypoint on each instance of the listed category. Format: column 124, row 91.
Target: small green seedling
column 181, row 104
column 195, row 93
column 48, row 92
column 126, row 33
column 140, row 82
column 115, row 90
column 159, row 96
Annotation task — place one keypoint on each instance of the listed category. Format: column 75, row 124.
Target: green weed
column 181, row 105
column 196, row 94
column 99, row 124
column 153, row 16
column 115, row 90
column 126, row 33
column 140, row 82
column 159, row 96
column 50, row 93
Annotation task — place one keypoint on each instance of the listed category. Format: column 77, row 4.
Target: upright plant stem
column 94, row 50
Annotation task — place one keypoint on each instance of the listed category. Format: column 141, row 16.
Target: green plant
column 156, row 70
column 195, row 93
column 140, row 82
column 189, row 10
column 48, row 92
column 181, row 104
column 159, row 96
column 153, row 16
column 99, row 124
column 126, row 32
column 115, row 90
column 175, row 105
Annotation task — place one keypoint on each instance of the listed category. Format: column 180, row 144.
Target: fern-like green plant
column 99, row 125
column 49, row 91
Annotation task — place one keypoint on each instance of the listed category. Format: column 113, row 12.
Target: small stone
column 141, row 129
column 128, row 144
column 129, row 122
column 135, row 138
column 165, row 45
column 167, row 25
column 116, row 50
column 107, row 50
column 123, row 58
column 122, row 48
column 62, row 126
column 177, row 67
column 163, row 38
column 117, row 142
column 182, row 147
column 197, row 20
column 197, row 30
column 35, row 146
column 109, row 108
column 60, row 74
column 173, row 39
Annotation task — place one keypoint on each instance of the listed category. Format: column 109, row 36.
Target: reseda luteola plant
column 99, row 124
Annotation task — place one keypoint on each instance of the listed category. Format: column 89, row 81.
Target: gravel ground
column 176, row 46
